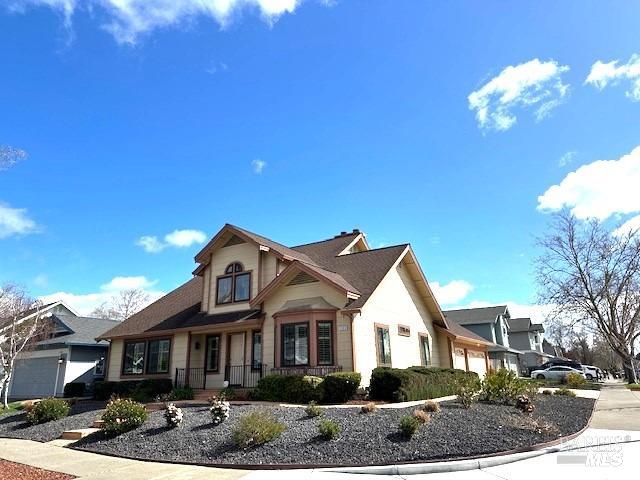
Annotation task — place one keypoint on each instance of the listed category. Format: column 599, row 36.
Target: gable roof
column 471, row 316
column 42, row 309
column 319, row 251
column 182, row 298
column 459, row 332
column 82, row 330
column 519, row 325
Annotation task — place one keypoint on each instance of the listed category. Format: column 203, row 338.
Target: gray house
column 529, row 338
column 71, row 354
column 491, row 323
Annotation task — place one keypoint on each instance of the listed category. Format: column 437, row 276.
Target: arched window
column 234, row 285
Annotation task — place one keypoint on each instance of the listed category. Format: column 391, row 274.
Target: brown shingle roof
column 182, row 298
column 319, row 251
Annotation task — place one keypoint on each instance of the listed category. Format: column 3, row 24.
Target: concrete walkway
column 90, row 466
column 618, row 408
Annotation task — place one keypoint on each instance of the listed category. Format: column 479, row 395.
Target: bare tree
column 9, row 156
column 123, row 305
column 21, row 325
column 592, row 277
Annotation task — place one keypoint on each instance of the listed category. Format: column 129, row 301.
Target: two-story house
column 492, row 324
column 255, row 306
column 528, row 337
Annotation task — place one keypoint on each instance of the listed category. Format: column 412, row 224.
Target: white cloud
column 452, row 292
column 599, row 189
column 177, row 238
column 15, row 221
column 630, row 226
column 128, row 19
column 258, row 165
column 532, row 85
column 567, row 158
column 611, row 73
column 85, row 303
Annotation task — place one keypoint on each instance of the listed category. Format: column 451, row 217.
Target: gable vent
column 301, row 278
column 235, row 240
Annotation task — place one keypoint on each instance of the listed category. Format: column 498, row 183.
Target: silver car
column 558, row 372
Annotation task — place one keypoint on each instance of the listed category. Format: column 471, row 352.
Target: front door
column 236, row 359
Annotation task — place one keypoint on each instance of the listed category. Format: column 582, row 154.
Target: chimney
column 355, row 230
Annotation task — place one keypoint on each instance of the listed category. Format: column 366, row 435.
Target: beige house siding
column 206, row 287
column 115, row 360
column 395, row 302
column 444, row 351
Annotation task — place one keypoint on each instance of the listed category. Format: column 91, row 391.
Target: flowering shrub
column 523, row 403
column 122, row 415
column 47, row 410
column 467, row 389
column 173, row 415
column 219, row 409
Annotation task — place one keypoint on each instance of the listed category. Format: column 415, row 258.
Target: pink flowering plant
column 122, row 415
column 173, row 415
column 219, row 409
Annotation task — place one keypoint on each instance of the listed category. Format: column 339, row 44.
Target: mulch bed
column 18, row 471
column 365, row 439
column 82, row 415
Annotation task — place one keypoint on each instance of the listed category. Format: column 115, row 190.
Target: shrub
column 256, row 428
column 173, row 415
column 329, row 430
column 503, row 386
column 565, row 392
column 181, row 393
column 408, row 426
column 340, row 387
column 575, row 380
column 74, row 389
column 102, row 390
column 313, row 410
column 546, row 391
column 48, row 409
column 289, row 388
column 368, row 408
column 421, row 416
column 431, row 407
column 415, row 383
column 219, row 409
column 467, row 389
column 142, row 390
column 523, row 403
column 123, row 415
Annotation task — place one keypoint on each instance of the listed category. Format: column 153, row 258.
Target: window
column 213, row 353
column 383, row 345
column 234, row 285
column 425, row 350
column 133, row 363
column 295, row 344
column 158, row 361
column 98, row 370
column 325, row 343
column 256, row 350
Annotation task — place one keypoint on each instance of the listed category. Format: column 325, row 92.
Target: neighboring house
column 43, row 311
column 492, row 324
column 256, row 307
column 528, row 337
column 70, row 354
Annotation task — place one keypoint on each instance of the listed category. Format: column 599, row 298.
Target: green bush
column 228, row 392
column 565, row 392
column 329, row 430
column 415, row 383
column 575, row 380
column 289, row 388
column 142, row 390
column 256, row 428
column 467, row 390
column 74, row 389
column 182, row 393
column 48, row 409
column 409, row 426
column 503, row 386
column 340, row 387
column 313, row 410
column 122, row 415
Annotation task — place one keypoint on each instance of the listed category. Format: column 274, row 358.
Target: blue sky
column 359, row 113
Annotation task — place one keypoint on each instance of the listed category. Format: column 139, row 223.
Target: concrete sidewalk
column 617, row 408
column 90, row 466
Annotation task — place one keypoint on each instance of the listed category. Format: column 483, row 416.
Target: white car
column 591, row 372
column 558, row 372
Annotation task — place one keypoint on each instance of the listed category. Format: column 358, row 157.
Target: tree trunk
column 5, row 398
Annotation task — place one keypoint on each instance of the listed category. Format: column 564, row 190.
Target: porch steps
column 78, row 434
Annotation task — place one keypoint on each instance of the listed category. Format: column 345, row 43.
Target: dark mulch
column 82, row 415
column 18, row 471
column 365, row 439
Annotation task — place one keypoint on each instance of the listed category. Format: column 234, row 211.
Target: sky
column 133, row 131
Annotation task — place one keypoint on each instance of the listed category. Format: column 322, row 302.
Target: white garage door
column 458, row 359
column 477, row 362
column 34, row 377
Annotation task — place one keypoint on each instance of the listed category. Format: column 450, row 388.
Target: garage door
column 458, row 359
column 34, row 377
column 477, row 362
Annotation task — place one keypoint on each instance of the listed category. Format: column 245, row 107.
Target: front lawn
column 362, row 438
column 13, row 407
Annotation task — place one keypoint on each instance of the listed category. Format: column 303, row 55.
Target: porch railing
column 244, row 376
column 190, row 377
column 319, row 371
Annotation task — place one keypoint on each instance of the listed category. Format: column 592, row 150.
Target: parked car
column 559, row 362
column 558, row 372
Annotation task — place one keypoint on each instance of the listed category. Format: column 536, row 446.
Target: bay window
column 295, row 344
